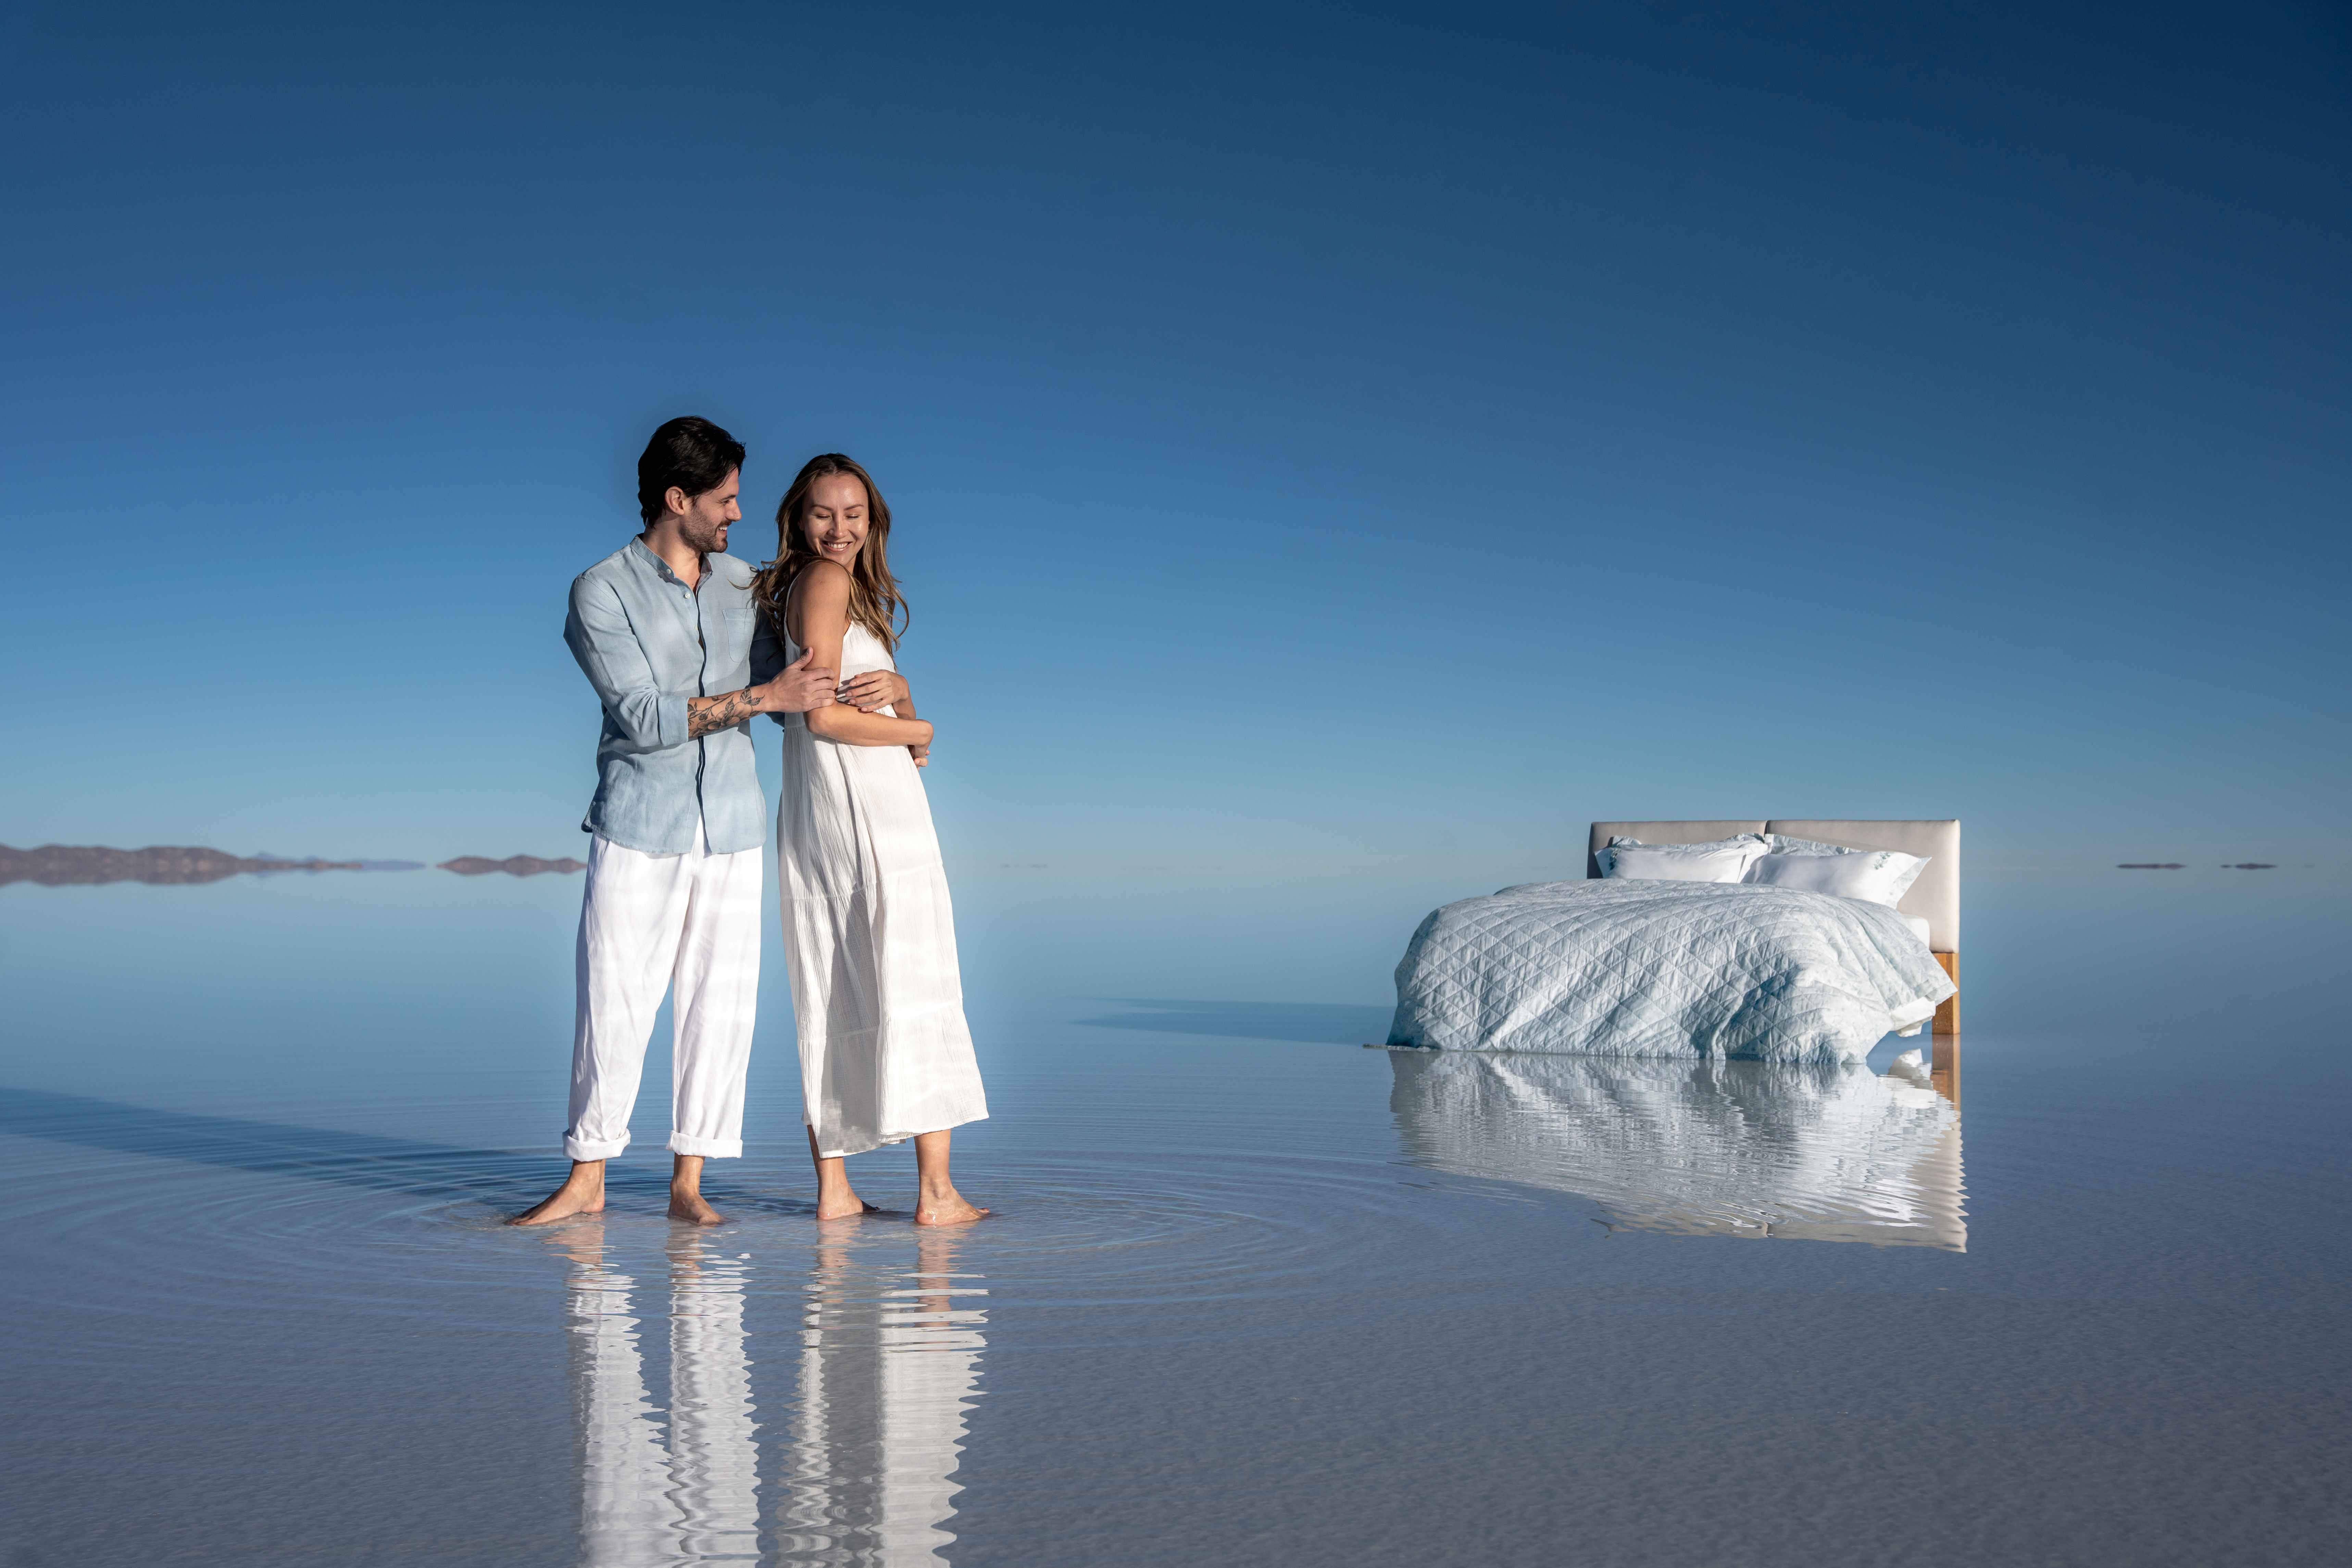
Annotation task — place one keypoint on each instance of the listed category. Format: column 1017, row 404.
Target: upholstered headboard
column 1935, row 897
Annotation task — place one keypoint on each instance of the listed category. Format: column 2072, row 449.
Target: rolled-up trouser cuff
column 593, row 1149
column 708, row 1148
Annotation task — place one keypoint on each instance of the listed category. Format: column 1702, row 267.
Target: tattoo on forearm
column 704, row 714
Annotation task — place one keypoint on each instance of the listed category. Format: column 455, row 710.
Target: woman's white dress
column 870, row 937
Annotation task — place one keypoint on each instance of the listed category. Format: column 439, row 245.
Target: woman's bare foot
column 844, row 1204
column 949, row 1207
column 939, row 1202
column 686, row 1200
column 583, row 1192
column 834, row 1200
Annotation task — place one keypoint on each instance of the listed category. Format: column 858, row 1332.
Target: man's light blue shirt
column 648, row 643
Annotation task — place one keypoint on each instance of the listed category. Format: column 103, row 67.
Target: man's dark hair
column 692, row 454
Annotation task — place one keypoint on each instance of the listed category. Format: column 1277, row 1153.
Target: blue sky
column 1336, row 446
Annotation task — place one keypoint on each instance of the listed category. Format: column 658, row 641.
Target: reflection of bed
column 1636, row 967
column 1824, row 1153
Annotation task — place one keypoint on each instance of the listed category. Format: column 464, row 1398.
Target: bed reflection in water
column 886, row 1360
column 1702, row 1148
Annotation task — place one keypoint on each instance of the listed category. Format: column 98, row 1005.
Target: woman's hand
column 875, row 688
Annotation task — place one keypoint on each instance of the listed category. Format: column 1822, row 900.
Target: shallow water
column 1256, row 1294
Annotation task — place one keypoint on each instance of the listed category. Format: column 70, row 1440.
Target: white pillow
column 1781, row 844
column 1606, row 856
column 1874, row 876
column 1724, row 861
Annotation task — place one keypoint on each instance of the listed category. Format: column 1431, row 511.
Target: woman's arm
column 920, row 750
column 818, row 615
column 768, row 668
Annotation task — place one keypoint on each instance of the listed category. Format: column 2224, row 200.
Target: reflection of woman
column 869, row 930
column 887, row 1373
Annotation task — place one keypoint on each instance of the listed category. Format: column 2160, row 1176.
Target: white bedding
column 1654, row 968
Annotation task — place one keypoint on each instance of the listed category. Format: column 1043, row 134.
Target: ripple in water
column 244, row 1205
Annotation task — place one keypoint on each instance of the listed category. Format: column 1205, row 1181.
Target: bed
column 1630, row 967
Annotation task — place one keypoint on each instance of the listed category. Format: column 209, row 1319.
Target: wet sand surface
column 1254, row 1294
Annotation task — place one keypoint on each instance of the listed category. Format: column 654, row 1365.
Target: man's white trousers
column 651, row 923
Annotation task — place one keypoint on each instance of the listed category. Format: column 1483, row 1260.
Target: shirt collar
column 637, row 543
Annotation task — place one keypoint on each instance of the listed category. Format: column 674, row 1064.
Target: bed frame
column 1935, row 897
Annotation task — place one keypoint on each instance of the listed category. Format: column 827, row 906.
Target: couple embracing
column 685, row 645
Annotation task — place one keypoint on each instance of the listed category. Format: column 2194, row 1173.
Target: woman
column 885, row 1052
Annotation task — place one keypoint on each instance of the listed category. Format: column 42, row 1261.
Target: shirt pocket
column 740, row 623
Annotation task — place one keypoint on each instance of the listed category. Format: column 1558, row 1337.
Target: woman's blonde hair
column 874, row 599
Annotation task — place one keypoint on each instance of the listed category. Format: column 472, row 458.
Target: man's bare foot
column 949, row 1207
column 583, row 1192
column 844, row 1204
column 686, row 1191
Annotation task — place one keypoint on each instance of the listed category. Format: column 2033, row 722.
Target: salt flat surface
column 1255, row 1294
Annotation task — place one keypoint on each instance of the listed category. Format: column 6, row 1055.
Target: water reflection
column 1702, row 1148
column 888, row 1361
column 890, row 1357
column 695, row 1496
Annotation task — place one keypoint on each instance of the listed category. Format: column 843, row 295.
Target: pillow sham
column 1781, row 844
column 1874, row 876
column 1618, row 841
column 1719, row 861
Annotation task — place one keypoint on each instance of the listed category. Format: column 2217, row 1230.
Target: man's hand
column 797, row 688
column 875, row 688
column 922, row 754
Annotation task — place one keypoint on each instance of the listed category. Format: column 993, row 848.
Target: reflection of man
column 663, row 629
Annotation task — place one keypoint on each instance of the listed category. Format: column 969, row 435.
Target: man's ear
column 677, row 501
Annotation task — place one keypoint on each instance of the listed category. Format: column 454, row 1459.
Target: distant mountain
column 513, row 866
column 293, row 861
column 71, row 865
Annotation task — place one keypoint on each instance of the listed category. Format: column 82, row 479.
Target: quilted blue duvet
column 1627, row 968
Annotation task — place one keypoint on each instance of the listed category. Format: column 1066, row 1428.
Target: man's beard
column 703, row 541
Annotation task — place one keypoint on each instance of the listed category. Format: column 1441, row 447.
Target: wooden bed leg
column 1948, row 1013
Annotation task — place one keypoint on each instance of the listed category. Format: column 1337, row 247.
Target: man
column 663, row 629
